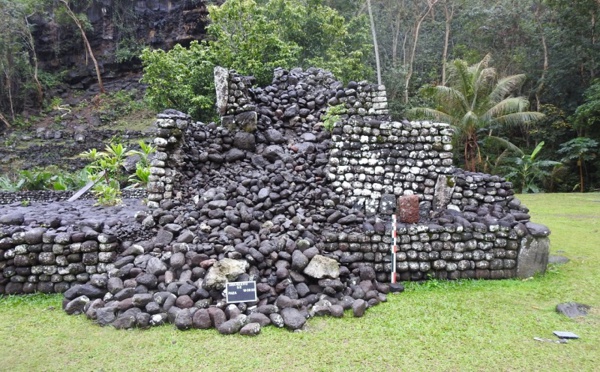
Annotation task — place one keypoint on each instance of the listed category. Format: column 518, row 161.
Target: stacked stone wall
column 51, row 260
column 378, row 161
column 164, row 175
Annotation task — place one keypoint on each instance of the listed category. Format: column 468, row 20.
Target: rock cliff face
column 118, row 27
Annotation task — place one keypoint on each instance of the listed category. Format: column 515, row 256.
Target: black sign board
column 240, row 292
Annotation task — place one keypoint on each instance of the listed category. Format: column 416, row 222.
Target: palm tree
column 476, row 99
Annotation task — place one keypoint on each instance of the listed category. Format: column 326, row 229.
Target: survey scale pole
column 394, row 248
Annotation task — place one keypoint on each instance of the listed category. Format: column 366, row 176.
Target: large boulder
column 322, row 267
column 222, row 271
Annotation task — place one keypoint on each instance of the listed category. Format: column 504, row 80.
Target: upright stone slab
column 534, row 251
column 408, row 209
column 221, row 88
column 442, row 194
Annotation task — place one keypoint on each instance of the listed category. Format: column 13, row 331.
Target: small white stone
column 158, row 141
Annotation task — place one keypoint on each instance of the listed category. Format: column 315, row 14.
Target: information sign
column 240, row 292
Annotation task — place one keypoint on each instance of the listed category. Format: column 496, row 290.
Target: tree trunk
column 9, row 91
column 395, row 39
column 540, row 87
column 449, row 13
column 378, row 66
column 593, row 65
column 411, row 61
column 3, row 119
column 580, row 164
column 86, row 42
column 30, row 41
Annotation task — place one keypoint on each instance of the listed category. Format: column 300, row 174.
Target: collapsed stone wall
column 256, row 199
column 472, row 226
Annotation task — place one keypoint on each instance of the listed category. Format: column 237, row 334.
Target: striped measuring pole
column 394, row 248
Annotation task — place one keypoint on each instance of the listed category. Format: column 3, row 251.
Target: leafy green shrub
column 180, row 78
column 142, row 167
column 332, row 116
column 37, row 179
column 526, row 171
column 581, row 149
column 253, row 39
column 70, row 181
column 107, row 193
column 106, row 169
column 8, row 184
column 49, row 178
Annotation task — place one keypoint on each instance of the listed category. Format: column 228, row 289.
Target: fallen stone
column 201, row 319
column 105, row 316
column 359, row 307
column 250, row 329
column 232, row 326
column 292, row 318
column 77, row 305
column 572, row 309
column 183, row 319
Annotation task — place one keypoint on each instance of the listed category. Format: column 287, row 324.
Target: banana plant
column 525, row 171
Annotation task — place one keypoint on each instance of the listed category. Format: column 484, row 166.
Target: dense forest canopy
column 555, row 44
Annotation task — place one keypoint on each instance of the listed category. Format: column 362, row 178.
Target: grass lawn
column 437, row 326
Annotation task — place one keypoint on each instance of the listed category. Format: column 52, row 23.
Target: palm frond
column 507, row 106
column 519, row 118
column 460, row 76
column 548, row 163
column 506, row 86
column 419, row 112
column 483, row 64
column 450, row 97
column 483, row 82
column 469, row 122
column 485, row 79
column 509, row 146
column 476, row 69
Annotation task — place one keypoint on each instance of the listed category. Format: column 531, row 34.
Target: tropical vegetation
column 476, row 100
column 106, row 169
column 254, row 39
column 549, row 47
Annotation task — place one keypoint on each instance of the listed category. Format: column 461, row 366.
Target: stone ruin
column 272, row 196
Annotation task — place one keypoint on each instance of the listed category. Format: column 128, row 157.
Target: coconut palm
column 476, row 99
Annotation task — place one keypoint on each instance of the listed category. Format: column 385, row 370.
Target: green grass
column 438, row 326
